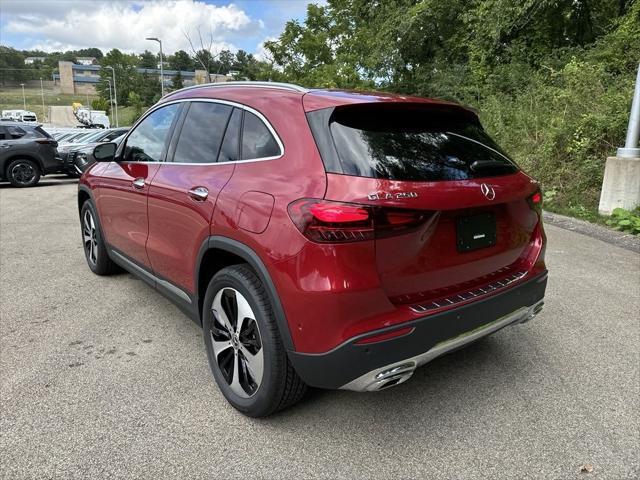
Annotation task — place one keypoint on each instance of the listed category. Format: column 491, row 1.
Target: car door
column 123, row 186
column 183, row 193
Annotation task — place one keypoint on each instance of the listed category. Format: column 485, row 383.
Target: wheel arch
column 218, row 252
column 84, row 194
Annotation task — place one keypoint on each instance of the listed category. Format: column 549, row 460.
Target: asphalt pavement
column 104, row 378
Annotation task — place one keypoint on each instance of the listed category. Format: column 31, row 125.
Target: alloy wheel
column 236, row 342
column 23, row 173
column 89, row 237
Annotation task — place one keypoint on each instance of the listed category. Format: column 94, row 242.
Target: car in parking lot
column 80, row 157
column 27, row 152
column 73, row 143
column 327, row 238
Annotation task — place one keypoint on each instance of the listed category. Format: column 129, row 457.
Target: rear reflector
column 381, row 337
column 325, row 221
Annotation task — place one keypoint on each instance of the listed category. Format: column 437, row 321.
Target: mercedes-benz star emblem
column 488, row 191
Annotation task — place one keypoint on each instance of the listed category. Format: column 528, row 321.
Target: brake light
column 535, row 201
column 325, row 221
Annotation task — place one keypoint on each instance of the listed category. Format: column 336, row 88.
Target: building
column 86, row 60
column 74, row 78
column 32, row 60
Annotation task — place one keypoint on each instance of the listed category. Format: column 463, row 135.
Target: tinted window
column 146, row 142
column 14, row 132
column 231, row 143
column 202, row 132
column 257, row 141
column 414, row 144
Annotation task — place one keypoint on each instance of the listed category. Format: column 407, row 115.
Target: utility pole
column 154, row 39
column 24, row 100
column 44, row 113
column 115, row 93
column 110, row 97
column 621, row 183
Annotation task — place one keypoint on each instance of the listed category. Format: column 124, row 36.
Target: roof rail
column 280, row 85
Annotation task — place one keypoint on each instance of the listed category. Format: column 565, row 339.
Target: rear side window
column 231, row 142
column 411, row 143
column 202, row 132
column 14, row 133
column 257, row 140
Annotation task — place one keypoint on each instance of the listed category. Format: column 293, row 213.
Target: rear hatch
column 449, row 209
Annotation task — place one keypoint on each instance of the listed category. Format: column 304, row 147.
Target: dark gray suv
column 27, row 152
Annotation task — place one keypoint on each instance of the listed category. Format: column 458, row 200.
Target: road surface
column 103, row 377
column 62, row 117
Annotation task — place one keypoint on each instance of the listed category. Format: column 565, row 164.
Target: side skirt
column 179, row 297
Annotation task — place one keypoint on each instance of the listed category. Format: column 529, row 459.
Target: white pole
column 44, row 113
column 154, row 39
column 631, row 148
column 110, row 98
column 24, row 100
column 115, row 94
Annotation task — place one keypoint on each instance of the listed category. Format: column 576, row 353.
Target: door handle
column 199, row 194
column 5, row 145
column 138, row 183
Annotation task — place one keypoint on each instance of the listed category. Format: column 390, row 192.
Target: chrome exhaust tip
column 392, row 377
column 533, row 311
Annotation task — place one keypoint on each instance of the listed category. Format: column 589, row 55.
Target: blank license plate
column 476, row 231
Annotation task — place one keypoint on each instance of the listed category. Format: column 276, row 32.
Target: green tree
column 127, row 78
column 135, row 101
column 100, row 104
column 181, row 61
column 176, row 82
column 148, row 60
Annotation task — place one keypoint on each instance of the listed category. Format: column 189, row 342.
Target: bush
column 625, row 220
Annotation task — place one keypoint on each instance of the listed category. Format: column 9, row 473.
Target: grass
column 11, row 99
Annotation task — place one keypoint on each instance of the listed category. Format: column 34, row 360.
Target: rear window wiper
column 480, row 165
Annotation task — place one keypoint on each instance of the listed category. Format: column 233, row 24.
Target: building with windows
column 85, row 60
column 76, row 78
column 32, row 60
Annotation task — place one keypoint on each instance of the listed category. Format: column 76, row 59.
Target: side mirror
column 105, row 152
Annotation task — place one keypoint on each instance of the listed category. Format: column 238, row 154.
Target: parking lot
column 103, row 377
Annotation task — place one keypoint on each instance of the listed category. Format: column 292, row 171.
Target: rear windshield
column 410, row 143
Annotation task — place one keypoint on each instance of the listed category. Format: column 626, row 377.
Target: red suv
column 326, row 238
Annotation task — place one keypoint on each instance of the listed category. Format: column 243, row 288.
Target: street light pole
column 24, row 100
column 154, row 39
column 110, row 97
column 115, row 93
column 44, row 114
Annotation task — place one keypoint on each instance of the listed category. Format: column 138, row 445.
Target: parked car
column 27, row 152
column 80, row 158
column 326, row 238
column 84, row 138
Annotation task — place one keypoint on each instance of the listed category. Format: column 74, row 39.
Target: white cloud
column 65, row 25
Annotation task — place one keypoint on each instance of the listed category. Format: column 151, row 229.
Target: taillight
column 47, row 141
column 535, row 201
column 325, row 221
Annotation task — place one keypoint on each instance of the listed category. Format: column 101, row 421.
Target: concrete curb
column 620, row 239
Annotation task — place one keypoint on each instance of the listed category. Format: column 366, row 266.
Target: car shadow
column 47, row 182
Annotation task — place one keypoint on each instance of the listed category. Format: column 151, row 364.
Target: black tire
column 73, row 174
column 95, row 254
column 280, row 386
column 23, row 173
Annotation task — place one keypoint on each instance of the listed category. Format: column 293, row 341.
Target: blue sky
column 69, row 24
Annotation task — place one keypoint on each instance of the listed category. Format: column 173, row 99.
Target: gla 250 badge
column 391, row 196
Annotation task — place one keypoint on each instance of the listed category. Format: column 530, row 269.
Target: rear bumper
column 378, row 365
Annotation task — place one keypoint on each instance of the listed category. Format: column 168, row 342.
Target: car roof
column 313, row 99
